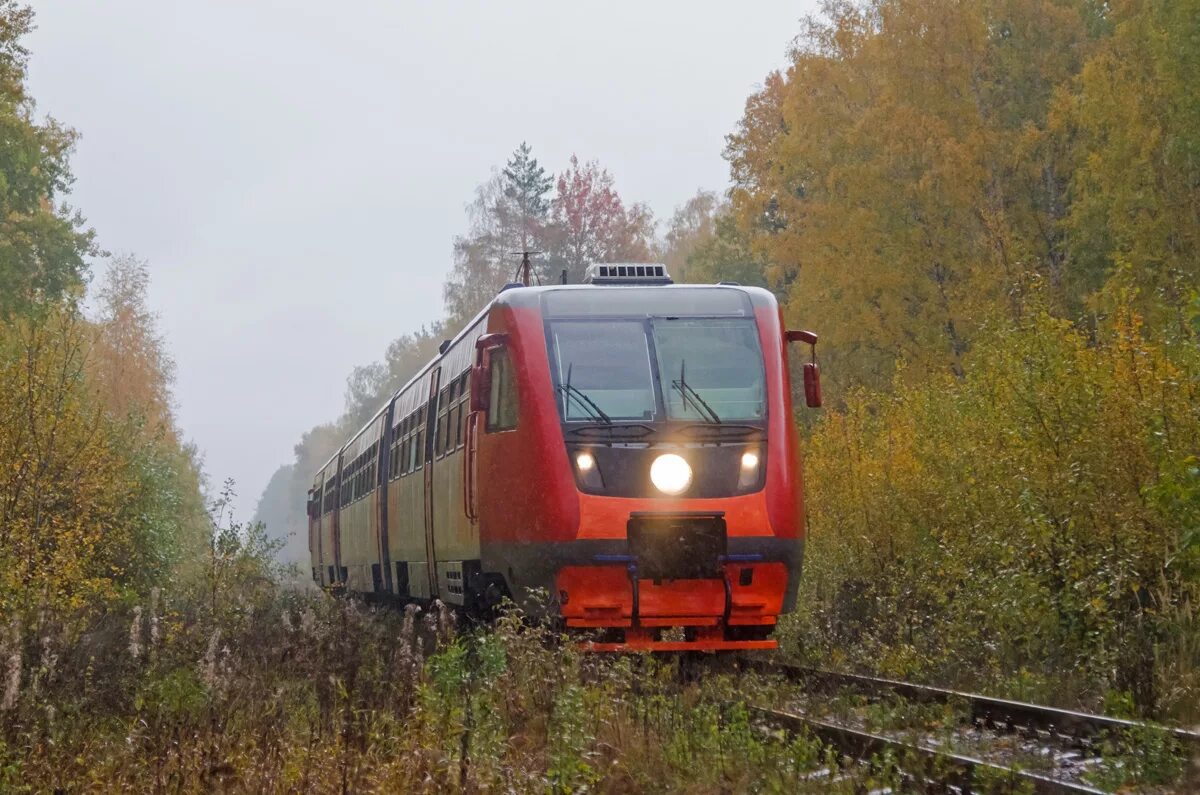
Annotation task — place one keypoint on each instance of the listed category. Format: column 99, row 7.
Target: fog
column 295, row 172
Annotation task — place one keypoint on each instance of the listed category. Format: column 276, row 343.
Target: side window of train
column 406, row 448
column 502, row 411
column 451, row 398
column 461, row 413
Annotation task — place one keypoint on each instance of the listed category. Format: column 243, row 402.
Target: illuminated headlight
column 670, row 474
column 748, row 475
column 587, row 471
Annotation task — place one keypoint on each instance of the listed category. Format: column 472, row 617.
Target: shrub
column 1033, row 521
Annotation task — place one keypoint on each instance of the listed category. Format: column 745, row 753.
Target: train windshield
column 603, row 371
column 710, row 368
column 693, row 368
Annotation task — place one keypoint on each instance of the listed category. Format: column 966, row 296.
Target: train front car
column 635, row 458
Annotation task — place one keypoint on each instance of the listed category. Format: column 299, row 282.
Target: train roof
column 518, row 295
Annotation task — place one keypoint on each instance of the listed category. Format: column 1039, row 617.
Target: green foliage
column 43, row 243
column 1146, row 755
column 526, row 184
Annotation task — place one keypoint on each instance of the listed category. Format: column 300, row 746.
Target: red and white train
column 627, row 446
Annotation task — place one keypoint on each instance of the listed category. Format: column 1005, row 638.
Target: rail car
column 626, row 447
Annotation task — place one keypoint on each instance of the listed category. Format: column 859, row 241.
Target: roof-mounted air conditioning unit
column 627, row 273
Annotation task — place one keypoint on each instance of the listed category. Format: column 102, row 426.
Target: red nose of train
column 684, row 582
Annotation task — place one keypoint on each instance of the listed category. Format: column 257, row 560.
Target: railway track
column 927, row 768
column 1000, row 737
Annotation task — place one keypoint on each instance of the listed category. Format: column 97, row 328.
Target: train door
column 383, row 477
column 315, row 496
column 336, row 526
column 430, row 433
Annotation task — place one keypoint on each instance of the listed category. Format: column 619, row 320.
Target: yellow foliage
column 1039, row 513
column 900, row 179
column 63, row 481
column 93, row 499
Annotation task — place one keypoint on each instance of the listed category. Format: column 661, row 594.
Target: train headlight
column 671, row 474
column 748, row 474
column 587, row 471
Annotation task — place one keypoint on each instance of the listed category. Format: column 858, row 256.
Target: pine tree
column 526, row 184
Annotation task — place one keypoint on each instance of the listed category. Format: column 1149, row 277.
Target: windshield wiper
column 690, row 395
column 613, row 432
column 581, row 399
column 706, row 430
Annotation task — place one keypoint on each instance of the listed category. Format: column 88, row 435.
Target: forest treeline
column 990, row 210
column 100, row 499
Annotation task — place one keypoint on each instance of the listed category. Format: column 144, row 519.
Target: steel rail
column 985, row 710
column 929, row 767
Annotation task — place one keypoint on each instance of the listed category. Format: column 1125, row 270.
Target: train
column 619, row 455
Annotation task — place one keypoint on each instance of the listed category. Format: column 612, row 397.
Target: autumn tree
column 900, row 178
column 691, row 225
column 590, row 222
column 132, row 367
column 43, row 243
column 482, row 262
column 727, row 255
column 369, row 386
column 88, row 509
column 1135, row 113
column 704, row 244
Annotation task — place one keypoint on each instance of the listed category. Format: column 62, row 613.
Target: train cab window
column 502, row 411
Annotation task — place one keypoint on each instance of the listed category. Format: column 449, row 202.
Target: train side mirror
column 812, row 371
column 481, row 371
column 812, row 385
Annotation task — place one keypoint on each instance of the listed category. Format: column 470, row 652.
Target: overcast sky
column 295, row 171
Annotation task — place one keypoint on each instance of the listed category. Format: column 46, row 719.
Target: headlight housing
column 671, row 474
column 587, row 470
column 750, row 464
